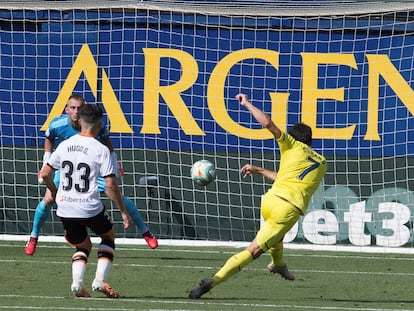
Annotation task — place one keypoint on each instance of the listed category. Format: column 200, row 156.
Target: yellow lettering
column 86, row 63
column 113, row 109
column 381, row 65
column 215, row 95
column 311, row 93
column 171, row 93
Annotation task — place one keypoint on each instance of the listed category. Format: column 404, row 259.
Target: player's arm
column 112, row 190
column 259, row 115
column 249, row 169
column 119, row 170
column 48, row 148
column 48, row 145
column 47, row 177
column 114, row 194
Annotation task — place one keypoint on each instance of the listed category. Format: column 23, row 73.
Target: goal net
column 166, row 74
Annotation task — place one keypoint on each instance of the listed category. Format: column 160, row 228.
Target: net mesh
column 173, row 69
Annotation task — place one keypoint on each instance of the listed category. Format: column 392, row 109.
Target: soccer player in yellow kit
column 301, row 170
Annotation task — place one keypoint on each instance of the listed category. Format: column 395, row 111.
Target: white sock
column 79, row 260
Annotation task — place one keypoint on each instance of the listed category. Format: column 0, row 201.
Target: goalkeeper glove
column 46, row 158
column 119, row 170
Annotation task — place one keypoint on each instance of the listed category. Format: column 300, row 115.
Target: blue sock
column 133, row 211
column 41, row 215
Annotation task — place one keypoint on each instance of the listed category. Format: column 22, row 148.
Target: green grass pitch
column 161, row 279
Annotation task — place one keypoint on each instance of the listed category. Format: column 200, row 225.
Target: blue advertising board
column 175, row 75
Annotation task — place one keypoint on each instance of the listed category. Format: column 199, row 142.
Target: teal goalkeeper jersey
column 301, row 170
column 60, row 129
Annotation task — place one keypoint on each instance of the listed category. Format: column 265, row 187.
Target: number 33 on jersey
column 80, row 160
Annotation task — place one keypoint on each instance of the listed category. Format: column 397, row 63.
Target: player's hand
column 39, row 175
column 243, row 99
column 248, row 170
column 46, row 157
column 126, row 219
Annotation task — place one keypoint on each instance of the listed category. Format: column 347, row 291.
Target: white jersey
column 81, row 159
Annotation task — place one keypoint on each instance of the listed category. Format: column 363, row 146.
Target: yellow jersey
column 301, row 170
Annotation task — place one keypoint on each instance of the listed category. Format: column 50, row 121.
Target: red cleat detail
column 30, row 247
column 108, row 291
column 151, row 240
column 82, row 293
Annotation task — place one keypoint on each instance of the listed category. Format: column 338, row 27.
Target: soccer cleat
column 282, row 270
column 107, row 290
column 30, row 247
column 204, row 287
column 150, row 239
column 79, row 291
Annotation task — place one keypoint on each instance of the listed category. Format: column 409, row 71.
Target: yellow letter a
column 86, row 63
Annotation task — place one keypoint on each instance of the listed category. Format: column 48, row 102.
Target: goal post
column 166, row 74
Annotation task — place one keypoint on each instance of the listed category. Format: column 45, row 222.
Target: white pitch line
column 406, row 257
column 235, row 306
column 215, row 268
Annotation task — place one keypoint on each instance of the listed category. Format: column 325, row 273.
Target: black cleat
column 204, row 287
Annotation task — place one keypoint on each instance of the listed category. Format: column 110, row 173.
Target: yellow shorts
column 279, row 216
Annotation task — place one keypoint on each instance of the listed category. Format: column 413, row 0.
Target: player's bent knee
column 255, row 250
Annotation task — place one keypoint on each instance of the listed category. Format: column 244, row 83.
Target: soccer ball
column 203, row 172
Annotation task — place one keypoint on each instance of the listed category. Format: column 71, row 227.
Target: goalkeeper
column 301, row 170
column 61, row 128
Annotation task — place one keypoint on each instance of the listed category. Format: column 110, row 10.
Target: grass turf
column 161, row 279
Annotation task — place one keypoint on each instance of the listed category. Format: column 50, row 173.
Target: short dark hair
column 90, row 113
column 301, row 132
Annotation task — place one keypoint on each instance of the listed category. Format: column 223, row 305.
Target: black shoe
column 204, row 287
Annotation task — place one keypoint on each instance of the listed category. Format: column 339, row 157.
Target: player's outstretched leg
column 135, row 214
column 42, row 213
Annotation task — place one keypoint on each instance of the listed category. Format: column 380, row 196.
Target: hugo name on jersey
column 81, row 160
column 301, row 170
